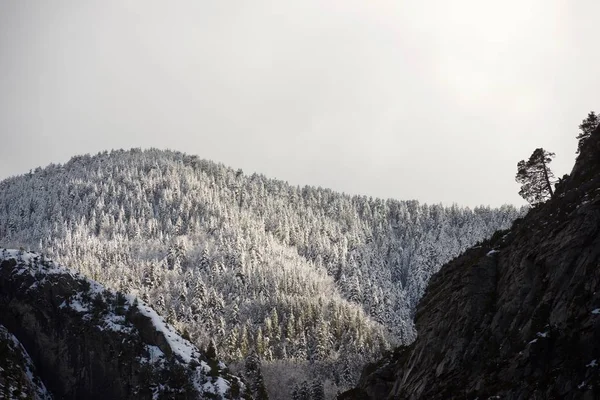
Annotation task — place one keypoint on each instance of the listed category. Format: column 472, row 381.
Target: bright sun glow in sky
column 430, row 99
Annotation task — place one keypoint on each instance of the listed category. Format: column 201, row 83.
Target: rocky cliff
column 87, row 342
column 517, row 317
column 18, row 376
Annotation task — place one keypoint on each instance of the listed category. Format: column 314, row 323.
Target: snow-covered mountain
column 90, row 342
column 318, row 280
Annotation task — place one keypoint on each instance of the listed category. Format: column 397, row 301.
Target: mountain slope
column 301, row 274
column 515, row 318
column 89, row 342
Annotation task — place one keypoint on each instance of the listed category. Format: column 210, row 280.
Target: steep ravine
column 87, row 342
column 517, row 317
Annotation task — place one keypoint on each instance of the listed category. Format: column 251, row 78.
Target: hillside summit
column 310, row 279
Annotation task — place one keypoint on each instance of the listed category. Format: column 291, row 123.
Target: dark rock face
column 517, row 317
column 90, row 343
column 74, row 359
column 18, row 377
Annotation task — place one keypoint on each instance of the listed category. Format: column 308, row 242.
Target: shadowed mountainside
column 515, row 318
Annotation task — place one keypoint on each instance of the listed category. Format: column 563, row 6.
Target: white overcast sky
column 414, row 99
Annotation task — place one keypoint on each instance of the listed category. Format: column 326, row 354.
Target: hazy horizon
column 415, row 100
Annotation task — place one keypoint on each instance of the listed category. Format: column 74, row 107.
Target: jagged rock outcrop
column 517, row 317
column 87, row 342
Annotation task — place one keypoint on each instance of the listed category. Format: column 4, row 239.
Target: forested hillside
column 303, row 275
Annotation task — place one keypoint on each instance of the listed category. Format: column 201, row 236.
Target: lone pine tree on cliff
column 535, row 177
column 587, row 127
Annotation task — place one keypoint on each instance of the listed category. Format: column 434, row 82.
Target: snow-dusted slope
column 119, row 346
column 304, row 275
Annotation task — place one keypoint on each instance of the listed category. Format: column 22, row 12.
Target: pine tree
column 231, row 343
column 294, row 393
column 317, row 390
column 301, row 347
column 322, row 341
column 586, row 127
column 290, row 331
column 204, row 261
column 303, row 392
column 235, row 388
column 254, row 378
column 244, row 346
column 535, row 177
column 260, row 342
column 211, row 351
column 261, row 389
column 347, row 375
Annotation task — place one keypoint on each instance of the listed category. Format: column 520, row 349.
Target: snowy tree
column 317, row 390
column 254, row 378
